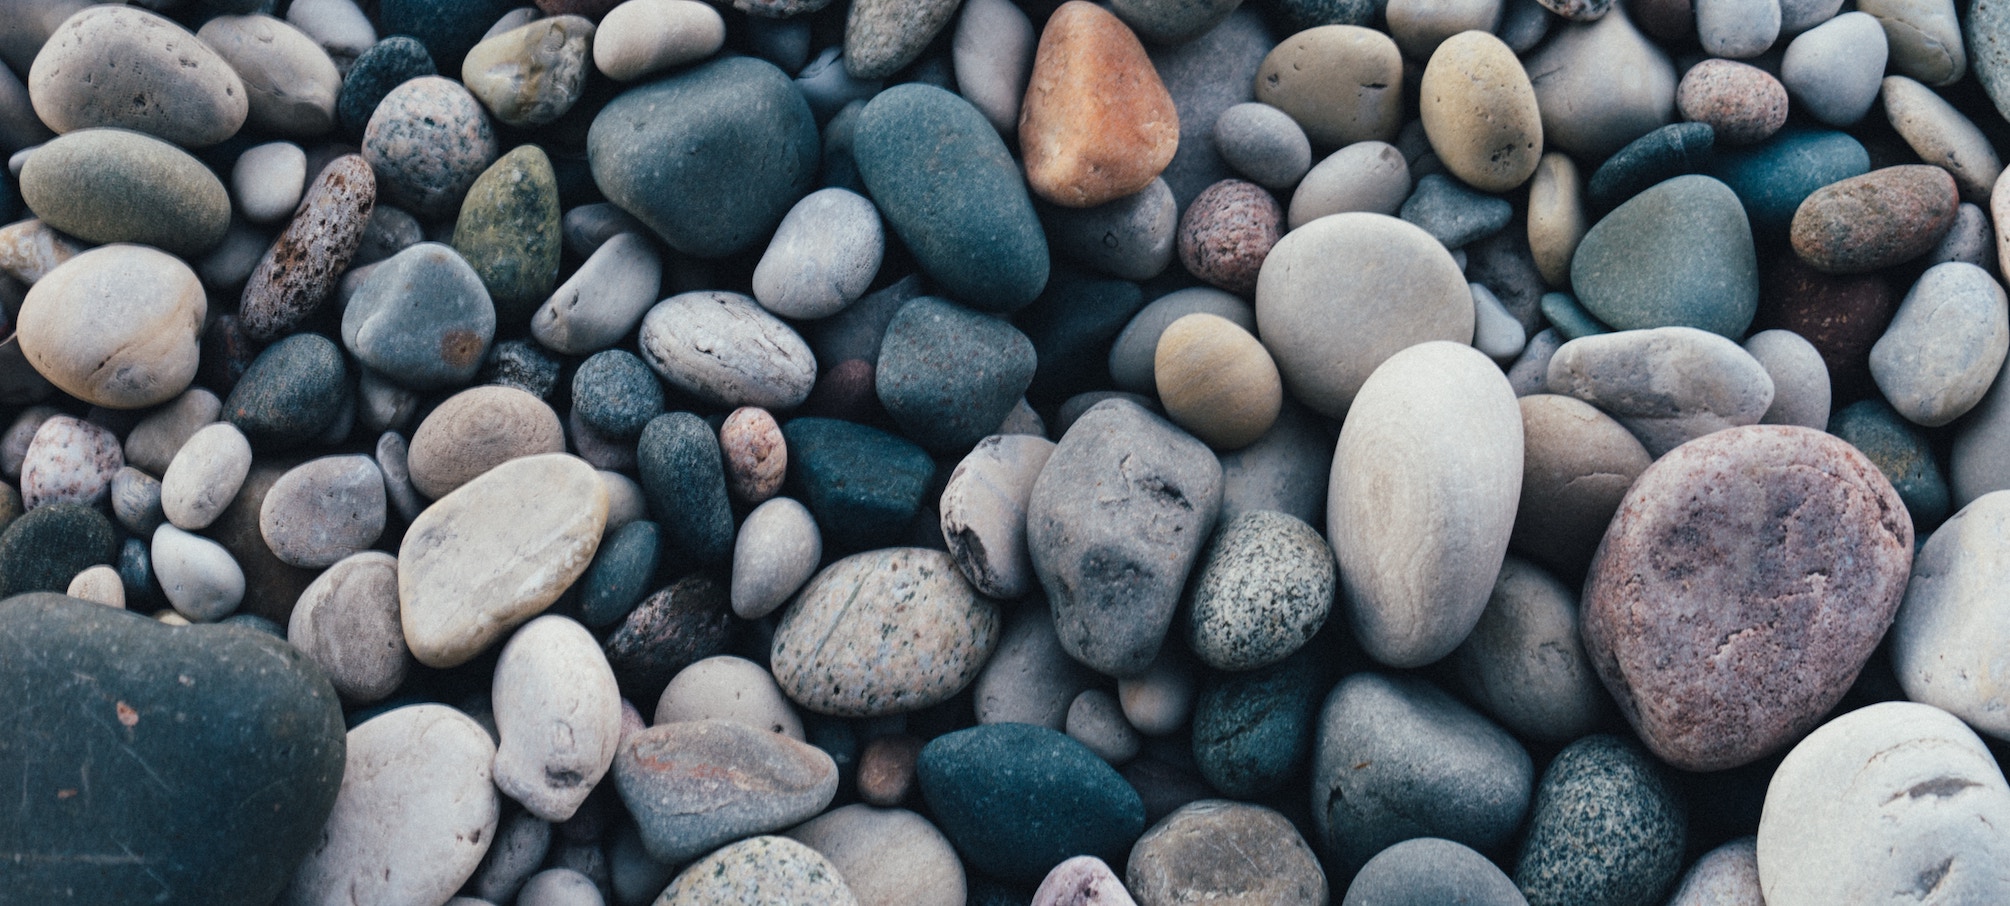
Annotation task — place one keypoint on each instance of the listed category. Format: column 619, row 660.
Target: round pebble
column 1226, row 233
column 1215, row 380
column 428, row 140
column 1741, row 103
column 116, row 326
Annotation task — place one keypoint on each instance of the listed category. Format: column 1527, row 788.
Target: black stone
column 49, row 545
column 862, row 484
column 386, row 65
column 448, row 28
column 683, row 477
column 1665, row 153
column 674, row 628
column 291, row 393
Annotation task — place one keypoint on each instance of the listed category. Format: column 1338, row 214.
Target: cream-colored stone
column 1556, row 218
column 1342, row 83
column 1217, row 381
column 117, row 326
column 1479, row 112
column 644, row 36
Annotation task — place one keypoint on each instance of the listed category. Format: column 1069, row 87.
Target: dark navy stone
column 1773, row 178
column 710, row 157
column 1252, row 730
column 1072, row 326
column 1678, row 254
column 615, row 393
column 620, row 574
column 1299, row 15
column 136, row 573
column 1017, row 799
column 680, row 625
column 448, row 28
column 1607, row 828
column 291, row 393
column 1454, row 214
column 1569, row 318
column 1903, row 453
column 684, row 479
column 157, row 764
column 1663, row 154
column 949, row 375
column 950, row 190
column 862, row 484
column 49, row 545
column 386, row 65
column 521, row 364
column 1429, row 871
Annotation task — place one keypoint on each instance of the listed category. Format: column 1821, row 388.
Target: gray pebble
column 993, row 54
column 822, row 257
column 136, row 501
column 1030, row 679
column 983, row 509
column 324, row 510
column 1496, row 331
column 347, row 622
column 1944, row 346
column 201, row 580
column 1285, row 470
column 1801, row 393
column 1725, row 876
column 1365, row 176
column 1523, row 663
column 1667, row 385
column 1264, row 144
column 204, row 475
column 1834, row 70
column 776, row 551
column 1131, row 238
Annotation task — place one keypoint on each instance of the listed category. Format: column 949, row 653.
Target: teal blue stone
column 1569, row 318
column 949, row 375
column 946, row 184
column 1902, row 452
column 683, row 477
column 710, row 157
column 1773, row 178
column 863, row 485
column 1252, row 730
column 1017, row 799
column 386, row 65
column 619, row 575
column 1678, row 254
column 1071, row 326
column 1667, row 152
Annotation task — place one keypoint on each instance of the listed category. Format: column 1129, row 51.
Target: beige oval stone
column 531, row 75
column 1941, row 136
column 290, row 83
column 117, row 326
column 123, row 66
column 643, row 36
column 1097, row 123
column 1341, row 83
column 1217, row 381
column 1479, row 112
column 495, row 553
column 477, row 429
column 1577, row 463
column 1556, row 219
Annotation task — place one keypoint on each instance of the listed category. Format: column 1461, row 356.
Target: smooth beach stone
column 1677, row 254
column 1439, row 422
column 983, row 509
column 864, row 485
column 1924, row 37
column 339, row 27
column 43, row 549
column 1945, row 345
column 1773, row 178
column 477, row 430
column 1479, row 112
column 30, row 249
column 1916, row 820
column 1668, row 385
column 1453, row 214
column 1017, row 800
column 615, row 393
column 1972, row 239
column 886, row 770
column 1029, row 678
column 947, row 186
column 1133, row 353
column 1131, row 237
column 1607, row 828
column 290, row 83
column 116, row 326
column 1263, row 144
column 300, row 270
column 603, row 300
column 727, row 351
column 557, row 714
column 710, row 158
column 324, row 510
column 268, row 180
column 1738, row 29
column 1833, row 71
column 1882, row 218
column 1427, row 870
column 641, row 37
column 883, row 632
column 1220, row 851
column 1556, row 216
column 1670, row 151
column 69, row 461
column 111, row 185
column 1097, row 124
column 1369, row 176
column 1496, row 332
column 201, row 580
column 201, row 816
column 205, row 475
column 1940, row 134
column 428, row 141
column 1116, row 520
column 1902, row 452
column 531, row 75
column 1227, row 231
column 1215, row 380
column 1784, row 540
column 347, row 623
column 949, row 375
column 757, row 457
column 1801, row 391
column 496, row 552
column 1285, row 470
column 1341, row 83
column 882, row 37
column 1082, row 881
column 135, row 499
column 1983, row 28
column 693, row 785
column 1523, row 663
column 1206, row 76
column 415, row 814
column 558, row 887
column 1577, row 463
column 822, row 257
column 1397, row 758
column 1264, row 588
column 272, row 588
column 678, row 625
column 99, row 585
column 422, row 318
column 759, row 869
column 1096, row 719
column 886, row 856
column 1357, row 268
column 1725, row 876
column 508, row 232
column 621, row 573
column 395, row 60
column 728, row 688
column 1945, row 639
column 685, row 484
column 1741, row 103
column 1584, row 110
column 130, row 68
column 1160, row 700
column 992, row 55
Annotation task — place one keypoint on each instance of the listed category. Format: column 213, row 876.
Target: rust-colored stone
column 1884, row 217
column 1097, row 123
column 886, row 770
column 1842, row 315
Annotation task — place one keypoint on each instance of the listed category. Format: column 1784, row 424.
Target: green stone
column 509, row 232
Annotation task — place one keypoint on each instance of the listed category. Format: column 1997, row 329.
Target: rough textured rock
column 1220, row 851
column 1607, row 828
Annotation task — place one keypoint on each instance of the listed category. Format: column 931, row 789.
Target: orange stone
column 1097, row 123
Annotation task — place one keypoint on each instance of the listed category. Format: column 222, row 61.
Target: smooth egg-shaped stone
column 1891, row 804
column 1479, row 112
column 603, row 300
column 1743, row 584
column 509, row 232
column 347, row 621
column 290, row 84
column 1396, row 283
column 1667, row 385
column 1577, row 462
column 883, row 632
column 1882, row 218
column 952, row 193
column 116, row 326
column 111, row 185
column 200, row 578
column 1588, row 112
column 726, row 350
column 1342, row 83
column 324, row 510
column 1678, row 254
column 1523, row 663
column 496, row 552
column 130, row 68
column 776, row 551
column 531, row 75
column 423, row 318
column 1264, row 589
column 693, row 785
column 640, row 37
column 822, row 257
column 558, row 716
column 1215, row 380
column 1945, row 345
column 1425, row 483
column 948, row 375
column 476, row 430
column 428, row 141
column 1948, row 639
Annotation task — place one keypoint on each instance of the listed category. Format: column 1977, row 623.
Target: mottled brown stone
column 1097, row 123
column 1842, row 315
column 757, row 458
column 1227, row 232
column 886, row 769
column 1884, row 217
column 301, row 269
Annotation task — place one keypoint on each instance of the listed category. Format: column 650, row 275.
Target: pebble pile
column 1005, row 453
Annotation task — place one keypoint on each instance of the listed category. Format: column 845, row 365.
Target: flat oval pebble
column 757, row 456
column 557, row 716
column 1216, row 380
column 1479, row 112
column 775, row 552
column 728, row 688
column 614, row 393
column 1876, row 220
column 1431, row 870
column 1263, row 144
column 1677, row 254
column 527, row 528
column 1668, row 385
column 267, row 180
column 1369, row 176
column 1131, row 237
column 727, row 351
column 347, row 622
column 290, row 84
column 1183, row 858
column 69, row 461
column 1607, row 826
column 676, row 626
column 864, row 485
column 204, row 476
column 1018, row 800
column 1741, row 587
column 91, row 330
column 1341, row 83
column 1939, row 134
column 1226, row 233
column 201, row 580
column 111, row 185
column 822, row 257
column 678, row 459
column 756, row 869
column 324, row 510
column 171, row 84
column 1802, row 391
column 883, row 632
column 428, row 141
column 1741, row 103
column 476, row 430
column 983, row 510
column 1945, row 344
column 694, row 785
column 1577, row 463
column 1833, row 71
column 640, row 37
column 508, row 231
column 887, row 855
column 1925, row 38
column 1097, row 123
column 1265, row 587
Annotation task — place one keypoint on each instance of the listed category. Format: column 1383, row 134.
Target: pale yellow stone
column 1556, row 221
column 101, row 584
column 1479, row 112
column 1341, row 83
column 1217, row 381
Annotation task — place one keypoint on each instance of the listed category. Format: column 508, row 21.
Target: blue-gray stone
column 710, row 157
column 136, row 574
column 1903, row 453
column 159, row 764
column 1663, row 154
column 386, row 65
column 1569, row 318
column 1773, row 178
column 1017, row 799
column 422, row 319
column 684, row 480
column 291, row 393
column 1072, row 326
column 1607, row 829
column 1299, row 15
column 949, row 375
column 48, row 546
column 1252, row 730
column 863, row 485
column 1454, row 214
column 948, row 187
column 616, row 393
column 1677, row 254
column 1429, row 871
column 1986, row 32
column 448, row 28
column 829, row 86
column 619, row 575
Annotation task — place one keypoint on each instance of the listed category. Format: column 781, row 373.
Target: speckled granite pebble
column 759, row 870
column 428, row 141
